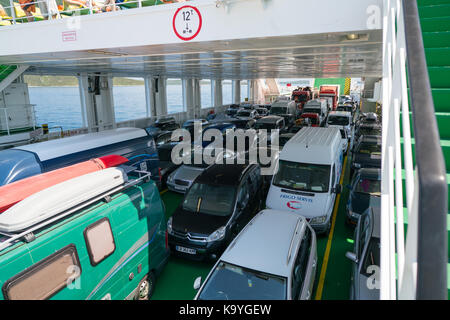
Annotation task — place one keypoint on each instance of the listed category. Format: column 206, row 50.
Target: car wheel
column 146, row 287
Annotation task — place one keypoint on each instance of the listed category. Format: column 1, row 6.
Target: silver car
column 181, row 179
column 273, row 258
column 366, row 257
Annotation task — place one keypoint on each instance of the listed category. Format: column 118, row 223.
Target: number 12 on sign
column 187, row 22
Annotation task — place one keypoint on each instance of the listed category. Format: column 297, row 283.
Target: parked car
column 163, row 137
column 189, row 125
column 307, row 178
column 368, row 129
column 166, row 123
column 221, row 201
column 246, row 114
column 271, row 124
column 182, row 178
column 262, row 112
column 223, row 127
column 166, row 165
column 247, row 106
column 273, row 258
column 365, row 191
column 232, row 110
column 366, row 153
column 366, row 256
column 342, row 120
column 29, row 160
column 318, row 107
column 97, row 236
column 243, row 123
column 286, row 109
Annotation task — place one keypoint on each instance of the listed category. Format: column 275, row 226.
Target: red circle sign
column 187, row 22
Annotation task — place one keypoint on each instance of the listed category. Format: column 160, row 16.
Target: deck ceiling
column 246, row 40
column 308, row 56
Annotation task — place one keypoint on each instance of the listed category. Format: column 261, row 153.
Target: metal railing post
column 13, row 10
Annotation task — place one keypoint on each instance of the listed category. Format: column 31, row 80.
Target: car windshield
column 230, row 282
column 338, row 120
column 369, row 186
column 370, row 148
column 300, row 97
column 302, row 176
column 312, row 110
column 216, row 200
column 278, row 110
column 243, row 113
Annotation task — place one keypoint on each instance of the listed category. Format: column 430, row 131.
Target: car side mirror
column 351, row 256
column 197, row 283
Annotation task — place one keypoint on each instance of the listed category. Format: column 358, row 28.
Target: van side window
column 99, row 241
column 301, row 264
column 45, row 278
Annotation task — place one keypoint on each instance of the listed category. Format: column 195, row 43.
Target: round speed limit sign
column 187, row 22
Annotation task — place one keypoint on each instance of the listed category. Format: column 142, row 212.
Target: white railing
column 394, row 257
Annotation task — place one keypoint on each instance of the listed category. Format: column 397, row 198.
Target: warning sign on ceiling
column 187, row 22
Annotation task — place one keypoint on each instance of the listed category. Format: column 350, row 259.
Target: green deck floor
column 177, row 279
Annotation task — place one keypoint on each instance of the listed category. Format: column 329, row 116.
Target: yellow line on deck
column 323, row 271
column 164, row 191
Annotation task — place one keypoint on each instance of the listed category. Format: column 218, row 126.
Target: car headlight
column 169, row 226
column 170, row 178
column 219, row 234
column 318, row 220
column 357, row 165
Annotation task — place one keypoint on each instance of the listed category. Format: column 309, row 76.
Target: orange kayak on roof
column 15, row 192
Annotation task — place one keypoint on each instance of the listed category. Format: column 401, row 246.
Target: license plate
column 186, row 250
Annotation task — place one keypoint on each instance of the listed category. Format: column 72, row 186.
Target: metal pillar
column 217, row 93
column 189, row 103
column 236, row 91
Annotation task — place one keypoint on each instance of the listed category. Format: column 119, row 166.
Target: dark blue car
column 222, row 127
column 365, row 191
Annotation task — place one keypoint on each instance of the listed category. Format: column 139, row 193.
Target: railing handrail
column 432, row 254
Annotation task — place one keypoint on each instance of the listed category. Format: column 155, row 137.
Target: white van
column 342, row 120
column 307, row 176
column 319, row 106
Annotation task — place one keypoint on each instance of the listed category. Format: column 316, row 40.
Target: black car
column 365, row 256
column 166, row 124
column 262, row 112
column 366, row 153
column 221, row 201
column 244, row 123
column 232, row 110
column 368, row 129
column 166, row 166
column 190, row 125
column 365, row 191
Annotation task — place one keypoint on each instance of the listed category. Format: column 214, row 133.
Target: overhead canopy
column 247, row 40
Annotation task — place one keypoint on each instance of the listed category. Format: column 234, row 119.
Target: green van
column 85, row 239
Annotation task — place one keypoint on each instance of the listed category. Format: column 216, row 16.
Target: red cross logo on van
column 295, row 205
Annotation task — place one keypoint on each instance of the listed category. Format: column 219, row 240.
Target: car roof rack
column 27, row 234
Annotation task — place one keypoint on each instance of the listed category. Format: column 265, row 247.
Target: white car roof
column 61, row 147
column 313, row 145
column 267, row 241
column 340, row 114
